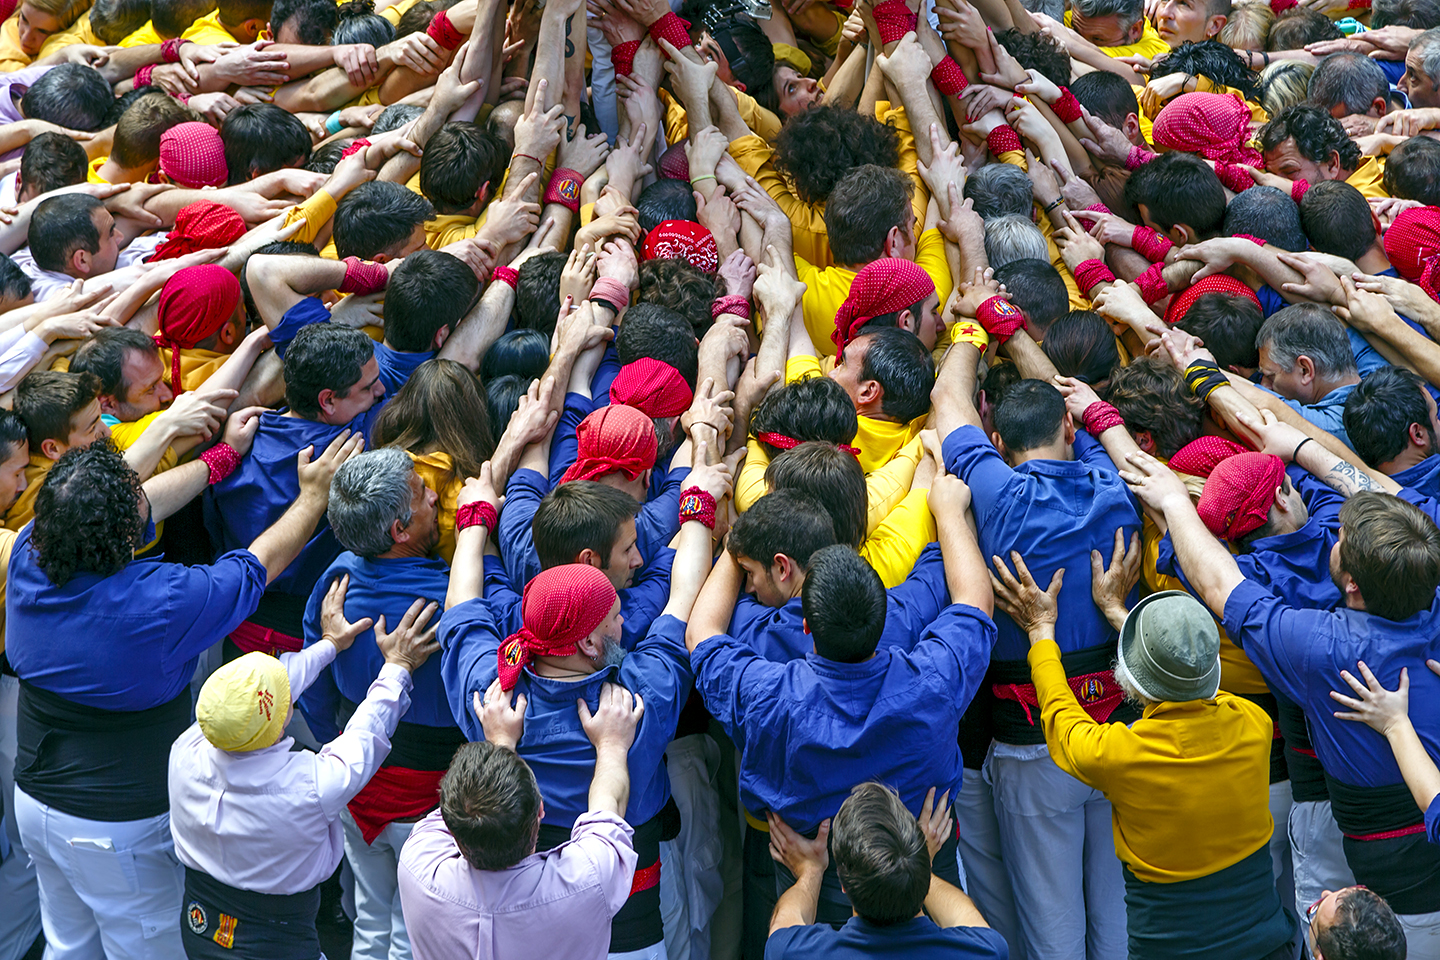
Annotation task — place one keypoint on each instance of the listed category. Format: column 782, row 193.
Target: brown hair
column 1152, row 396
column 440, row 407
column 880, row 855
column 578, row 515
column 491, row 803
column 66, row 11
column 832, row 478
column 138, row 132
column 47, row 400
column 1392, row 552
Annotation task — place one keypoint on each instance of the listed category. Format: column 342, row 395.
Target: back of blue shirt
column 917, row 939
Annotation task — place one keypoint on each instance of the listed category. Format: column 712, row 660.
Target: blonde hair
column 66, row 11
column 1248, row 26
column 1284, row 84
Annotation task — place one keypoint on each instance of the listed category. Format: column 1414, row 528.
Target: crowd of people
column 727, row 479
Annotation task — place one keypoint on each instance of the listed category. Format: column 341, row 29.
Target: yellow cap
column 795, row 57
column 244, row 704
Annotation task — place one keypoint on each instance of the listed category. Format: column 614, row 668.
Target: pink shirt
column 557, row 905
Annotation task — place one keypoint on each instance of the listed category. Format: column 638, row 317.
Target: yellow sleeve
column 750, row 485
column 887, row 485
column 79, row 32
column 7, row 544
column 12, row 57
column 207, row 30
column 395, row 11
column 765, row 124
column 677, row 124
column 807, row 223
column 909, row 157
column 445, row 230
column 896, row 544
column 1072, row 289
column 1081, row 747
column 801, row 368
column 145, row 36
column 1015, row 158
column 316, row 212
column 930, row 257
column 587, row 214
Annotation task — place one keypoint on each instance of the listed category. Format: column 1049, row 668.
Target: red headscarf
column 203, row 225
column 613, row 438
column 1200, row 456
column 653, row 387
column 194, row 305
column 882, row 286
column 674, row 163
column 1181, row 303
column 1214, row 125
column 1238, row 494
column 193, row 155
column 682, row 240
column 1413, row 246
column 561, row 607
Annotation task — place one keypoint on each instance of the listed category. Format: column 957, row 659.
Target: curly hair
column 1036, row 51
column 818, row 148
column 1315, row 132
column 87, row 514
column 689, row 291
column 1151, row 395
column 1210, row 59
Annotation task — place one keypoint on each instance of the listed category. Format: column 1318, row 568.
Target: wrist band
column 612, row 292
column 696, row 504
column 222, row 459
column 143, row 76
column 1204, row 377
column 703, row 176
column 1297, row 190
column 332, row 123
column 672, row 27
column 526, row 156
column 1003, row 140
column 356, row 145
column 1358, row 5
column 1150, row 244
column 1296, row 452
column 1099, row 417
column 731, row 303
column 1053, row 204
column 1234, row 177
column 948, row 78
column 182, row 97
column 1098, row 208
column 564, row 189
column 170, row 50
column 1138, row 157
column 1090, row 274
column 1000, row 318
column 506, row 275
column 622, row 57
column 469, row 514
column 893, row 19
column 364, row 278
column 1067, row 108
column 443, row 32
column 1258, row 241
column 1152, row 285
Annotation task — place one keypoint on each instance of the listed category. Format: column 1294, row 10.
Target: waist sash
column 1386, row 846
column 1307, row 777
column 277, row 625
column 394, row 793
column 1091, row 678
column 221, row 922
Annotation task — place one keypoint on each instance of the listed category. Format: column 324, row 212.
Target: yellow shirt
column 79, row 32
column 1147, row 125
column 24, row 509
column 316, row 212
column 1188, row 783
column 208, row 30
column 896, row 544
column 434, row 468
column 12, row 56
column 124, row 436
column 1072, row 289
column 756, row 117
column 879, row 441
column 92, row 173
column 145, row 36
column 395, row 11
column 196, row 366
column 1368, row 178
column 7, row 544
column 885, row 487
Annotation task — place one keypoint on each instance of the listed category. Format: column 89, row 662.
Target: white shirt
column 48, row 283
column 268, row 820
column 19, row 351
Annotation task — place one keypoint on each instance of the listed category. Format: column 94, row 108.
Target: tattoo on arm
column 1348, row 480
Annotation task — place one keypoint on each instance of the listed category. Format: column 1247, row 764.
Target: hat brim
column 1150, row 684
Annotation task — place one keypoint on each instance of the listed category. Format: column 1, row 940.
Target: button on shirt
column 268, row 820
column 557, row 905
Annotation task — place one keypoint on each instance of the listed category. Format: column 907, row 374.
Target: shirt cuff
column 393, row 671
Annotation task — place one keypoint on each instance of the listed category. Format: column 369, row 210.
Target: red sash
column 250, row 637
column 1098, row 694
column 395, row 793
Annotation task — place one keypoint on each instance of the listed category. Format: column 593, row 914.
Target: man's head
column 1082, row 345
column 1349, row 83
column 844, row 605
column 1247, row 497
column 309, row 22
column 815, row 408
column 462, row 167
column 1338, row 220
column 1307, row 143
column 1160, row 410
column 1387, row 561
column 571, row 618
column 1179, row 195
column 1031, row 417
column 660, row 333
column 1109, row 23
column 74, row 234
column 617, row 446
column 881, row 856
column 1037, row 51
column 51, row 161
column 1285, row 82
column 1415, row 14
column 591, row 523
column 1036, row 288
column 673, row 282
column 138, row 132
column 427, row 297
column 1299, row 26
column 893, row 293
column 660, row 201
column 1012, row 237
column 39, row 20
column 380, row 507
column 381, row 221
column 1267, row 213
column 869, row 215
column 260, row 138
column 1412, row 171
column 16, row 289
column 245, row 705
column 1191, row 21
column 170, row 18
column 537, row 293
column 829, row 476
column 888, row 374
column 743, row 54
column 1304, row 353
column 1391, row 421
column 1421, row 80
column 331, row 375
column 1228, row 324
column 1107, row 96
column 1000, row 188
column 90, row 514
column 61, row 411
column 245, row 19
column 1355, row 924
column 491, row 805
column 1169, row 650
column 14, row 457
column 71, row 95
column 128, row 366
column 774, row 541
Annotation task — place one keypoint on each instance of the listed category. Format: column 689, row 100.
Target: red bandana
column 1200, row 456
column 193, row 155
column 1238, row 494
column 653, row 387
column 682, row 240
column 561, row 607
column 203, row 225
column 882, row 286
column 194, row 305
column 1214, row 125
column 1181, row 303
column 613, row 438
column 1413, row 245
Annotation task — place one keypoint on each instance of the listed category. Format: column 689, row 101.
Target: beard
column 613, row 654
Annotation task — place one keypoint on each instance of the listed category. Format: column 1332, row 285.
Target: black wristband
column 1296, row 452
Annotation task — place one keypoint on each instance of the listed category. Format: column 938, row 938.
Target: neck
column 1408, row 458
column 1373, row 261
column 1049, row 451
column 112, row 172
column 576, row 666
column 1324, row 386
column 401, row 551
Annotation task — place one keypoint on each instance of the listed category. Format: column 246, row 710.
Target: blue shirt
column 1054, row 512
column 397, row 365
column 916, row 939
column 1301, row 652
column 128, row 641
column 810, row 729
column 1327, row 413
column 307, row 311
column 778, row 634
column 378, row 588
column 1423, row 478
column 554, row 744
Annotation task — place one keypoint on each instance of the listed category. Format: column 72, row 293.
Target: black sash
column 221, row 922
column 1307, row 777
column 284, row 612
column 1383, row 846
column 414, row 746
column 1012, row 725
column 1267, row 702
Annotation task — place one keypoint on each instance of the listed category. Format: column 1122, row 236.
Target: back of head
column 137, row 134
column 51, row 161
column 1317, row 135
column 651, row 330
column 1228, row 326
column 1247, row 26
column 418, row 17
column 71, row 95
column 781, row 522
column 832, row 478
column 1029, row 415
column 1152, row 396
column 1392, row 551
column 1310, row 330
column 440, row 407
column 1381, row 412
column 1039, row 52
column 1012, row 237
column 1412, row 171
column 87, row 514
column 1283, row 84
column 323, row 356
column 359, row 23
column 376, row 218
column 750, row 55
column 819, row 147
column 236, row 12
column 1036, row 288
column 1000, row 188
column 1338, row 220
column 1179, row 188
column 1348, row 80
column 1364, row 928
column 15, row 284
column 104, row 355
column 898, row 360
column 537, row 293
column 675, row 283
column 314, row 21
column 114, row 20
column 881, row 856
column 459, row 160
column 261, row 138
column 816, row 408
column 428, row 291
column 47, row 400
column 1106, row 95
column 1267, row 213
column 524, row 353
column 502, row 397
column 579, row 515
column 1297, row 27
column 844, row 604
column 491, row 805
column 1081, row 344
column 170, row 18
column 1126, row 12
column 863, row 208
column 1211, row 59
column 665, row 200
column 368, row 494
column 396, row 116
column 1415, row 14
column 61, row 225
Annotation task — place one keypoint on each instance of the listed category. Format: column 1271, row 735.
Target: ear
column 871, row 391
column 782, row 568
column 483, row 194
column 1131, row 128
column 1305, row 367
column 1215, row 25
column 1379, row 107
column 398, row 532
column 1181, row 234
column 894, row 242
column 1146, row 441
column 999, row 445
column 1417, row 433
column 805, row 625
column 1331, row 167
column 325, row 400
column 906, row 321
column 1068, row 424
column 80, row 262
column 108, row 405
column 738, row 85
column 1137, row 30
column 53, row 449
column 441, row 336
column 588, row 556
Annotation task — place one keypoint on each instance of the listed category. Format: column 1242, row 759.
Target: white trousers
column 379, row 924
column 981, row 863
column 1422, row 935
column 108, row 891
column 690, row 882
column 1318, row 854
column 19, row 891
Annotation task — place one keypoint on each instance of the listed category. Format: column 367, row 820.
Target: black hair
column 815, row 408
column 396, row 116
column 325, row 157
column 279, row 247
column 750, row 55
column 314, row 20
column 1415, row 14
column 1412, row 171
column 1348, row 79
column 651, row 330
column 832, row 478
column 376, row 216
column 418, row 17
column 683, row 287
column 998, row 378
column 359, row 23
column 818, row 148
column 665, row 200
column 1179, row 188
column 844, row 605
column 1210, row 59
column 459, row 160
column 236, row 12
column 1106, row 95
column 12, row 432
column 323, row 356
column 580, row 515
column 170, row 18
column 429, row 290
column 899, row 361
column 1228, row 325
column 114, row 20
column 104, row 356
column 120, row 104
column 864, row 207
column 60, row 225
column 1379, row 412
column 70, row 95
column 783, row 522
column 1365, row 928
column 1315, row 132
column 521, row 353
column 52, row 161
column 1081, row 345
column 1268, row 213
column 502, row 396
column 1039, row 52
column 537, row 292
column 1297, row 27
column 260, row 138
column 14, row 282
column 1029, row 415
column 1338, row 219
column 87, row 514
column 1036, row 288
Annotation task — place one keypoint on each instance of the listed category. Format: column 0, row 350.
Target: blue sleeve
column 1322, row 503
column 515, row 539
column 469, row 647
column 564, row 446
column 1089, row 451
column 321, row 702
column 1394, row 70
column 1270, row 300
column 659, row 670
column 606, row 373
column 730, row 677
column 1432, row 821
column 642, row 601
column 913, row 604
column 957, row 647
column 777, row 947
column 203, row 604
column 307, row 311
column 659, row 519
column 1277, row 638
column 500, row 597
column 971, row 456
column 1428, row 505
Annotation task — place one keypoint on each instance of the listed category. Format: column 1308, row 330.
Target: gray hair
column 396, row 116
column 369, row 493
column 1128, row 11
column 1348, row 78
column 1131, row 688
column 1014, row 237
column 1308, row 329
column 999, row 188
column 1427, row 48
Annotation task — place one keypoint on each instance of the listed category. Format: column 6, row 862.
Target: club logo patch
column 1003, row 308
column 1091, row 691
column 511, row 653
column 225, row 931
column 195, row 916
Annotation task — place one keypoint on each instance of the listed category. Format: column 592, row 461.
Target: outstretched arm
column 965, row 572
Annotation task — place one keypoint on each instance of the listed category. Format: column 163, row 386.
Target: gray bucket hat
column 1171, row 647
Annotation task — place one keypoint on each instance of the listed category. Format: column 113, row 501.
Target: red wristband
column 355, row 146
column 443, row 32
column 143, row 76
column 1003, row 140
column 364, row 278
column 1138, row 157
column 611, row 292
column 1152, row 285
column 1234, row 177
column 672, row 27
column 1091, row 273
column 1258, row 241
column 1067, row 108
column 1098, row 208
column 1150, row 244
column 506, row 275
column 1000, row 318
column 893, row 19
column 1099, row 417
column 1297, row 190
column 564, row 189
column 622, row 56
column 170, row 50
column 696, row 504
column 475, row 512
column 222, row 459
column 1280, row 6
column 1358, row 5
column 731, row 303
column 948, row 78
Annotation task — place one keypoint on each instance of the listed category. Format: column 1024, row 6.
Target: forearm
column 1419, row 771
column 948, row 906
column 278, row 546
column 716, row 602
column 236, row 368
column 1028, row 358
column 954, row 396
column 1344, row 477
column 1210, row 568
column 144, row 454
column 467, row 567
column 690, row 568
column 171, row 490
column 610, row 786
column 480, row 328
column 966, row 575
column 797, row 906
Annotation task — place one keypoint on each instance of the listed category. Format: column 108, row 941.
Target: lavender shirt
column 12, row 87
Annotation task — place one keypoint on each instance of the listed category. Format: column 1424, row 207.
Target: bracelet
column 222, row 459
column 528, row 157
column 1003, row 140
column 696, row 504
column 731, row 303
column 622, row 57
column 1265, row 56
column 1150, row 244
column 1053, row 204
column 948, row 78
column 506, row 275
column 363, row 278
column 1152, row 285
column 478, row 511
column 1090, row 274
column 1000, row 318
column 703, row 176
column 1358, row 5
column 332, row 123
column 1234, row 177
column 1204, row 377
column 1099, row 417
column 1258, row 241
column 671, row 27
column 1296, row 452
column 443, row 32
column 1297, row 190
column 1138, row 157
column 170, row 50
column 564, row 189
column 610, row 292
column 1067, row 108
column 143, row 76
column 893, row 19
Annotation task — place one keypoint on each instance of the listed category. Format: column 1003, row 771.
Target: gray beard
column 614, row 653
